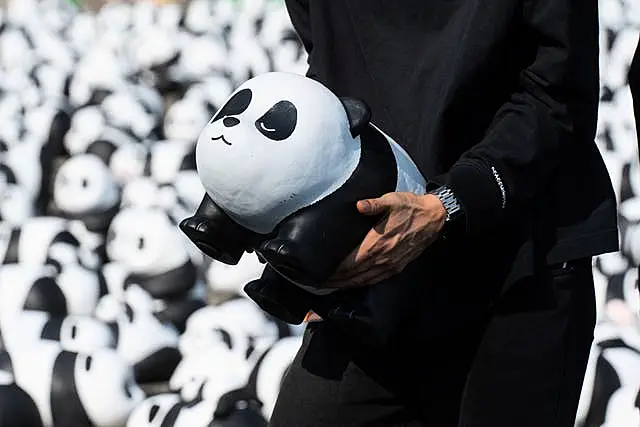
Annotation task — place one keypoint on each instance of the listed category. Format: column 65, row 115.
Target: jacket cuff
column 480, row 192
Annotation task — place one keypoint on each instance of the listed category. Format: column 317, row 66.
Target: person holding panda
column 497, row 104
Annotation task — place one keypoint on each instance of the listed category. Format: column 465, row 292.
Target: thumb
column 371, row 206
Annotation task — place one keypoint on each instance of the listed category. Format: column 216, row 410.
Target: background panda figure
column 76, row 389
column 74, row 333
column 283, row 163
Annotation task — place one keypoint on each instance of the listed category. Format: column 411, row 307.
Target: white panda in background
column 74, row 333
column 16, row 50
column 212, row 90
column 87, row 124
column 12, row 115
column 76, row 389
column 124, row 111
column 114, row 16
column 50, row 47
column 237, row 323
column 185, row 119
column 97, row 74
column 216, row 364
column 23, row 159
column 226, row 278
column 269, row 371
column 81, row 32
column 73, row 291
column 200, row 57
column 621, row 305
column 16, row 203
column 283, row 45
column 204, row 16
column 125, row 155
column 614, row 363
column 149, row 345
column 153, row 53
column 153, row 411
column 623, row 409
column 49, row 239
column 630, row 229
column 152, row 250
column 84, row 189
column 235, row 408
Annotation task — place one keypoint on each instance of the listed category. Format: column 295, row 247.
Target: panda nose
column 230, row 121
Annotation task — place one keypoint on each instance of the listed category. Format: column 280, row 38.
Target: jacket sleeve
column 299, row 14
column 554, row 107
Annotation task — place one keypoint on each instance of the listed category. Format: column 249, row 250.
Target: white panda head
column 139, row 239
column 185, row 119
column 281, row 142
column 107, row 387
column 84, row 184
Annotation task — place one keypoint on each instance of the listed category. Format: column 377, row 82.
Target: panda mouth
column 221, row 137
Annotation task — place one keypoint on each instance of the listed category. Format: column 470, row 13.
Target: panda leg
column 310, row 244
column 216, row 234
column 279, row 297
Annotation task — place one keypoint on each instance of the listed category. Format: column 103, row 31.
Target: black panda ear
column 359, row 114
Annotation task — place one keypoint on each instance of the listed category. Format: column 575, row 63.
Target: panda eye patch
column 74, row 331
column 279, row 122
column 141, row 243
column 153, row 411
column 85, row 183
column 236, row 105
column 87, row 363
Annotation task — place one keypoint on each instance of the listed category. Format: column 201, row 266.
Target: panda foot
column 291, row 262
column 273, row 303
column 202, row 232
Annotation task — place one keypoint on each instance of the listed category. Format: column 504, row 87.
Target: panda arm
column 299, row 13
column 553, row 106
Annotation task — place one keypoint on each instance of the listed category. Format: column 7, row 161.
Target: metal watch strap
column 449, row 200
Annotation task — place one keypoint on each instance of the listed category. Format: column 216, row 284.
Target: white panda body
column 280, row 143
column 272, row 369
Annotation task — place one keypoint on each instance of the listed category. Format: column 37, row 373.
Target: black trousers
column 514, row 359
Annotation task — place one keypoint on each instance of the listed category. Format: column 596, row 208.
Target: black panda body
column 17, row 409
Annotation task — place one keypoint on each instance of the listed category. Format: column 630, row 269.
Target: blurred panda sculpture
column 284, row 162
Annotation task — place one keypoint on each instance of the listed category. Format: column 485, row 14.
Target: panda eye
column 235, row 106
column 141, row 243
column 153, row 411
column 87, row 363
column 85, row 183
column 279, row 122
column 74, row 331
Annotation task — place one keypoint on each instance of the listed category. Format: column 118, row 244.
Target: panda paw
column 200, row 230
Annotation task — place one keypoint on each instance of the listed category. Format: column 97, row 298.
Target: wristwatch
column 449, row 201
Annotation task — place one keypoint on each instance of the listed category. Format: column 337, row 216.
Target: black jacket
column 482, row 93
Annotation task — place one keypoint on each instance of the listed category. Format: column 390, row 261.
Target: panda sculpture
column 82, row 334
column 85, row 189
column 283, row 163
column 72, row 389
